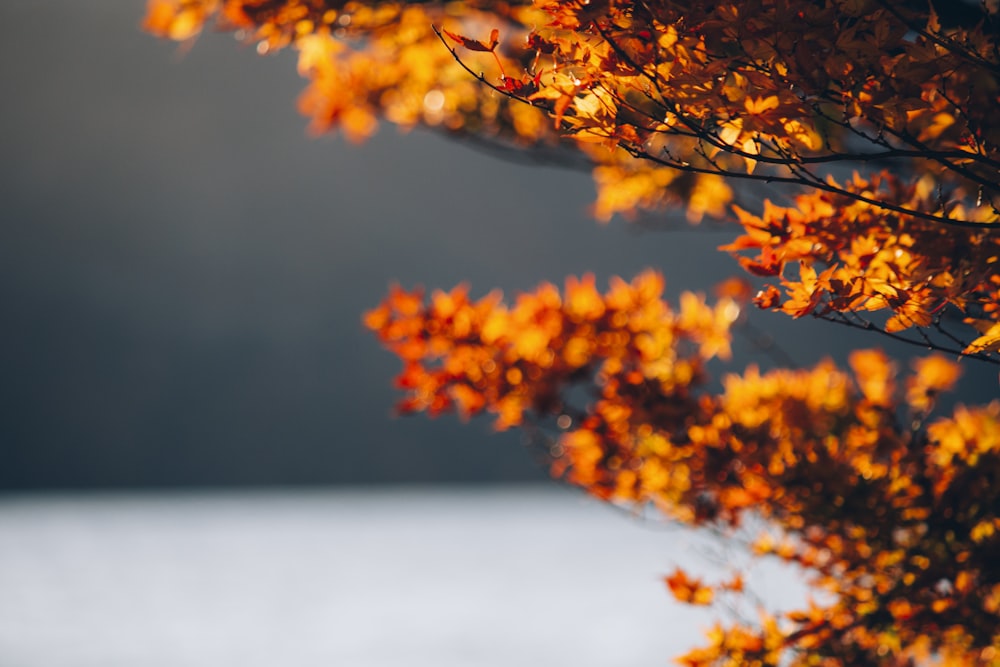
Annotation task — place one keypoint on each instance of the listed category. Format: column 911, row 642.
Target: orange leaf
column 874, row 374
column 737, row 289
column 691, row 591
column 768, row 298
column 989, row 341
column 770, row 266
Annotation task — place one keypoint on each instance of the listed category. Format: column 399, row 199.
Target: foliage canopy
column 890, row 508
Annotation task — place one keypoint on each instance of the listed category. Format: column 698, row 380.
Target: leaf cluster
column 890, row 511
column 863, row 133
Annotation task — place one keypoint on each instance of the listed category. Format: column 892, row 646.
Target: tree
column 890, row 508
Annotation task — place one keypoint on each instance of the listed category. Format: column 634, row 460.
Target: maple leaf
column 670, row 102
column 761, row 105
column 904, row 318
column 476, row 45
column 806, row 293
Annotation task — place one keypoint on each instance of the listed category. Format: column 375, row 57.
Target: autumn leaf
column 768, row 298
column 989, row 341
column 688, row 590
column 761, row 105
column 175, row 20
column 802, row 133
column 875, row 375
column 670, row 105
column 474, row 44
column 933, row 375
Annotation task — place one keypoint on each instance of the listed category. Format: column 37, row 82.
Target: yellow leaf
column 989, row 341
column 934, row 374
column 731, row 131
column 939, row 124
column 668, row 38
column 803, row 134
column 761, row 105
column 317, row 53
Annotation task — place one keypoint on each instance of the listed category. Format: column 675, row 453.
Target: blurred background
column 183, row 270
column 196, row 439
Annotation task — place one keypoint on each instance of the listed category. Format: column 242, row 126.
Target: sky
column 183, row 269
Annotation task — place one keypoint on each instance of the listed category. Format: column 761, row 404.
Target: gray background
column 183, row 270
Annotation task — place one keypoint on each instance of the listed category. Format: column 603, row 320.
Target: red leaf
column 475, row 44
